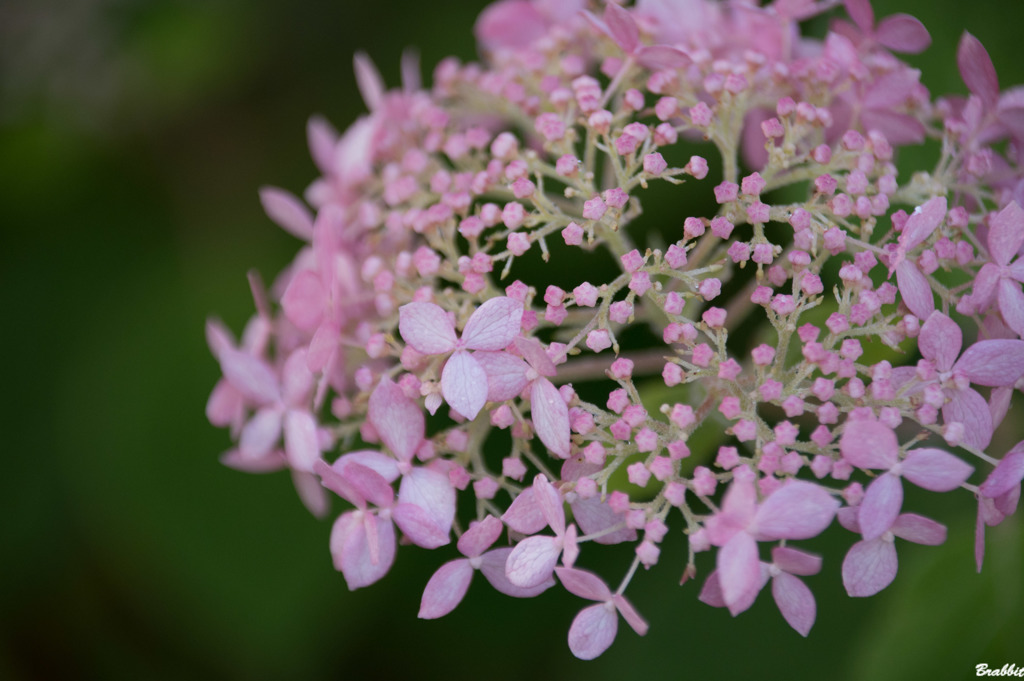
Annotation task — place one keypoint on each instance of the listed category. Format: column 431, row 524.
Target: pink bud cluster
column 832, row 348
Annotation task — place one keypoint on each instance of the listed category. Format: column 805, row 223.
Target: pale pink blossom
column 449, row 584
column 594, row 628
column 870, row 444
column 493, row 326
column 871, row 564
column 998, row 496
column 533, row 559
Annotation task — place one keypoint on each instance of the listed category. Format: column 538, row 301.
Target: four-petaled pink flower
column 870, row 564
column 508, row 376
column 619, row 25
column 898, row 32
column 594, row 628
column 363, row 540
column 913, row 284
column 281, row 404
column 998, row 496
column 794, row 599
column 430, row 331
column 993, row 363
column 449, row 584
column 533, row 559
column 999, row 281
column 797, row 510
column 871, row 444
column 249, row 382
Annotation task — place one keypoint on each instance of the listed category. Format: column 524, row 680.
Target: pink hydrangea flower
column 493, row 326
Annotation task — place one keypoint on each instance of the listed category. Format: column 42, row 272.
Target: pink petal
column 977, row 70
column 351, row 552
column 970, row 409
column 427, row 328
column 260, row 433
column 509, row 24
column 410, row 67
column 301, row 445
column 446, row 589
column 923, row 222
column 869, row 567
column 796, row 562
column 479, row 537
column 296, row 380
column 711, row 592
column 899, row 129
column 993, row 362
column 493, row 568
column 398, row 420
column 935, row 469
column 550, row 504
column 371, row 85
column 985, row 285
column 919, row 529
column 739, row 572
column 225, row 407
column 274, row 461
column 464, row 384
column 1006, row 234
column 799, row 510
column 493, row 325
column 594, row 628
column 533, row 560
column 550, row 417
column 366, row 482
column 1011, row 304
column 999, row 404
column 1011, row 115
column 847, row 517
column 288, row 212
column 506, row 374
column 311, row 493
column 334, row 481
column 433, row 495
column 1017, row 268
column 861, row 13
column 1007, row 474
column 305, row 301
column 940, row 340
column 658, row 57
column 1006, row 504
column 915, row 289
column 524, row 515
column 382, row 464
column 795, row 601
column 903, row 33
column 323, row 347
column 881, row 504
column 418, row 526
column 250, row 376
column 739, row 506
column 629, row 613
column 583, row 584
column 622, row 27
column 533, row 352
column 322, row 139
column 869, row 444
column 594, row 515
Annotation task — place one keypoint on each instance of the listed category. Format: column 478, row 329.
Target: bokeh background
column 133, row 137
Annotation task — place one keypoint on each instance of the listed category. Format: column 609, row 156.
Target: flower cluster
column 479, row 310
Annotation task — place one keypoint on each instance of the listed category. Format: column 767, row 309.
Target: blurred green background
column 133, row 137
